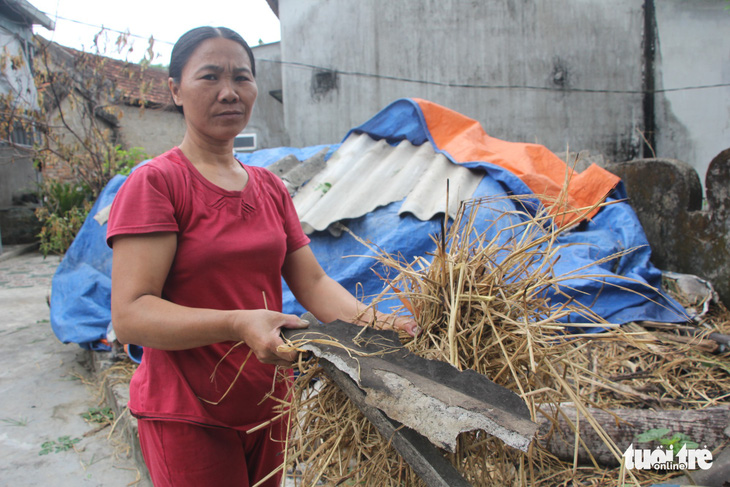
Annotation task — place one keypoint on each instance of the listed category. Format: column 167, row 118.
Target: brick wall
column 57, row 170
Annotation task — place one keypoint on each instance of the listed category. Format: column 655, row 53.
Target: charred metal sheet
column 423, row 457
column 431, row 397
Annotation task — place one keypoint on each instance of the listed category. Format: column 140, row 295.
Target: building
column 19, row 100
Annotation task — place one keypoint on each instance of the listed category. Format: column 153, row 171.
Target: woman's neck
column 216, row 164
column 212, row 154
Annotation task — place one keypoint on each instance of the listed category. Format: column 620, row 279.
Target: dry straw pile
column 482, row 304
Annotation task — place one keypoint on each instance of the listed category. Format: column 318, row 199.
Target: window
column 244, row 143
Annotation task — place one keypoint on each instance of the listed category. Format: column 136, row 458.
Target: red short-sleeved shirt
column 231, row 246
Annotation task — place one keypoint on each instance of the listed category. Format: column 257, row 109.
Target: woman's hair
column 190, row 40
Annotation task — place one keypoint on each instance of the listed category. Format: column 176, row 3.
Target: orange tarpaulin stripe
column 542, row 171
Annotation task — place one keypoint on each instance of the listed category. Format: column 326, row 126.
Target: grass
column 15, row 422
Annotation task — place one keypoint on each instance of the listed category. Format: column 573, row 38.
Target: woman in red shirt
column 201, row 243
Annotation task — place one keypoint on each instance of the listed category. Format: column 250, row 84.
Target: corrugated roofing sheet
column 364, row 174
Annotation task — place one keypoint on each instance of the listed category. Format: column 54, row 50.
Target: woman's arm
column 140, row 265
column 327, row 299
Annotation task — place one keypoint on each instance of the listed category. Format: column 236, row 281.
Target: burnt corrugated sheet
column 365, row 174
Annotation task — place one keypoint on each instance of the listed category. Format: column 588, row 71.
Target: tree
column 74, row 126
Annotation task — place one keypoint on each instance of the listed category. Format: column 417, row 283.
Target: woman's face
column 217, row 90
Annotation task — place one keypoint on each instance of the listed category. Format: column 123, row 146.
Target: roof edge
column 274, row 6
column 32, row 14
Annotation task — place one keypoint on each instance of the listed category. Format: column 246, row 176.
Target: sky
column 78, row 21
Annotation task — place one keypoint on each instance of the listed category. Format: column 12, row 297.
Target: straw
column 482, row 304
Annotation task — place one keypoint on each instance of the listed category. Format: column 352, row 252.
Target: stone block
column 685, row 234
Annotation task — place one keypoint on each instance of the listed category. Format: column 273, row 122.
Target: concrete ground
column 45, row 389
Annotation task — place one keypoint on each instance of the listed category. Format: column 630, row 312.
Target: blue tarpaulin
column 81, row 290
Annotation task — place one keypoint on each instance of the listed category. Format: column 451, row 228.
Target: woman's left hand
column 395, row 322
column 326, row 299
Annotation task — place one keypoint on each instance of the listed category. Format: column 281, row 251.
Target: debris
column 694, row 293
column 295, row 173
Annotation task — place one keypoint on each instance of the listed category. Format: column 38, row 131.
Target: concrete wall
column 693, row 50
column 267, row 120
column 519, row 67
column 560, row 73
column 18, row 176
column 155, row 130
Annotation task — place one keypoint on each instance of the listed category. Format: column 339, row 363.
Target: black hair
column 190, row 40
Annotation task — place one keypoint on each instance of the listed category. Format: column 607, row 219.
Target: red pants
column 183, row 454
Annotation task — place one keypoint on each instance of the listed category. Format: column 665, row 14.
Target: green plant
column 674, row 442
column 123, row 161
column 63, row 443
column 324, row 187
column 58, row 231
column 60, row 197
column 66, row 204
column 99, row 415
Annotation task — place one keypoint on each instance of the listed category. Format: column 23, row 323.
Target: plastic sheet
column 81, row 293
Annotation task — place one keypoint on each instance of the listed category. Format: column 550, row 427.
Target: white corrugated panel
column 364, row 174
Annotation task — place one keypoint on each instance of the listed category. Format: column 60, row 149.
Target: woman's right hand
column 261, row 331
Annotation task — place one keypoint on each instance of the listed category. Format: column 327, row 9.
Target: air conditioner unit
column 244, row 143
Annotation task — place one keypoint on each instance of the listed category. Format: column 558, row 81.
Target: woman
column 200, row 245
